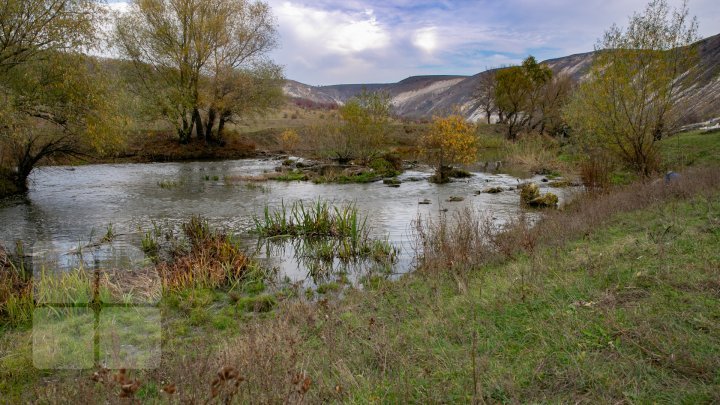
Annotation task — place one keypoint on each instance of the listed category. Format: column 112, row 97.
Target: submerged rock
column 560, row 184
column 529, row 192
column 455, row 199
column 392, row 182
column 493, row 190
column 671, row 176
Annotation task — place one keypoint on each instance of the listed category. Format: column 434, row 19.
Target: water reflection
column 71, row 207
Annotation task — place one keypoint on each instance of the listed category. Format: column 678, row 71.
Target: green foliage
column 58, row 104
column 519, row 92
column 316, row 219
column 259, row 303
column 630, row 100
column 365, row 124
column 190, row 54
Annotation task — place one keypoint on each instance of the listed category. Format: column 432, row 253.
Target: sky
column 326, row 42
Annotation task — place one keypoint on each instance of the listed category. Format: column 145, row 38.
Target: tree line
column 195, row 64
column 627, row 101
column 201, row 64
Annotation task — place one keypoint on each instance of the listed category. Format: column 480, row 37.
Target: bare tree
column 484, row 94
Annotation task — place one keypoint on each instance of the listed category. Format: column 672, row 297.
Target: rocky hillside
column 425, row 96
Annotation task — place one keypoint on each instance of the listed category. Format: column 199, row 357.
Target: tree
column 365, row 123
column 630, row 100
column 451, row 140
column 242, row 82
column 194, row 54
column 553, row 98
column 53, row 100
column 485, row 94
column 518, row 91
column 241, row 93
column 169, row 42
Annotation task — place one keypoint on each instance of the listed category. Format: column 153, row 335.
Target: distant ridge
column 425, row 96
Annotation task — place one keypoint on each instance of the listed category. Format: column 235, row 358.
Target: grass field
column 614, row 299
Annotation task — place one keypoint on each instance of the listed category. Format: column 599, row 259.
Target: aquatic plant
column 319, row 219
column 167, row 184
column 109, row 234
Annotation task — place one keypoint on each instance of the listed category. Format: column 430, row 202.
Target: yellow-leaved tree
column 631, row 99
column 451, row 140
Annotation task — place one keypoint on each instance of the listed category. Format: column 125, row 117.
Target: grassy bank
column 614, row 299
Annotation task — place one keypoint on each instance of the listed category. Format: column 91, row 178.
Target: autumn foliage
column 451, row 140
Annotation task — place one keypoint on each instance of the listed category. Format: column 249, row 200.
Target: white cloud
column 332, row 31
column 334, row 41
column 426, row 39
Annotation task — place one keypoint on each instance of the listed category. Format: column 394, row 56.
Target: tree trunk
column 209, row 124
column 197, row 123
column 224, row 117
column 184, row 131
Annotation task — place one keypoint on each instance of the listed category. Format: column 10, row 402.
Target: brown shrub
column 595, row 173
column 213, row 259
column 468, row 240
column 456, row 245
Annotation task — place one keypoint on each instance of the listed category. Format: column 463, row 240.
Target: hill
column 425, row 96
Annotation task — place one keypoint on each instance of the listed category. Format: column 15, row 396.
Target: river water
column 69, row 207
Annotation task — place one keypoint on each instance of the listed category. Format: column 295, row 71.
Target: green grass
column 693, row 148
column 627, row 313
column 630, row 313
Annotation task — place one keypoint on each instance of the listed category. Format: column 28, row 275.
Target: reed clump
column 318, row 219
column 325, row 232
column 204, row 257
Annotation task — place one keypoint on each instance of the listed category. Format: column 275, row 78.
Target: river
column 69, row 207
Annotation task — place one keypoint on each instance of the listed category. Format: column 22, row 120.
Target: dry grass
column 467, row 240
column 213, row 259
column 535, row 154
column 456, row 245
column 588, row 212
column 16, row 294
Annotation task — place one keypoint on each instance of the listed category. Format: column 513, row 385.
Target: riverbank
column 612, row 299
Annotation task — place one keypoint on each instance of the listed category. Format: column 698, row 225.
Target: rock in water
column 493, row 190
column 530, row 195
column 529, row 192
column 549, row 200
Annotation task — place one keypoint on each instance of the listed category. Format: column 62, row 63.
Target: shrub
column 451, row 141
column 289, row 140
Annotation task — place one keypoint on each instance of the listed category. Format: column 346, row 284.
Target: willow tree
column 363, row 128
column 187, row 55
column 241, row 80
column 630, row 100
column 53, row 101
